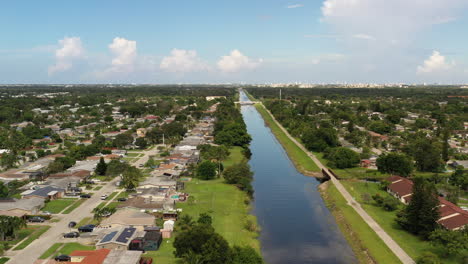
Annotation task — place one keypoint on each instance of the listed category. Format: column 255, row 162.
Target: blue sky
column 256, row 41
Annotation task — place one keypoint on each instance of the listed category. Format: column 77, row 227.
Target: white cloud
column 70, row 50
column 125, row 52
column 363, row 36
column 295, row 6
column 389, row 20
column 182, row 61
column 236, row 61
column 435, row 63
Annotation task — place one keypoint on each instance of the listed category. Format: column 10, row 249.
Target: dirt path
column 394, row 247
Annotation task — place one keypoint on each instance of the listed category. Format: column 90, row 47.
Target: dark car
column 86, row 228
column 122, row 199
column 61, row 258
column 71, row 224
column 85, row 195
column 71, row 235
column 36, row 219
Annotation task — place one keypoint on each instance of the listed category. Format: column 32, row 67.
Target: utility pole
column 163, row 141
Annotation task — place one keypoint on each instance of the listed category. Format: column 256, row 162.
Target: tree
column 141, row 143
column 116, row 168
column 3, row 190
column 320, row 139
column 245, row 255
column 395, row 163
column 205, row 219
column 240, row 175
column 10, row 225
column 445, row 145
column 427, row 155
column 101, row 167
column 131, row 177
column 123, row 140
column 421, row 215
column 428, row 258
column 452, row 241
column 342, row 158
column 206, row 170
column 459, row 178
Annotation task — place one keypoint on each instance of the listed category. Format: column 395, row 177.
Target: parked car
column 141, row 165
column 122, row 199
column 85, row 195
column 62, row 258
column 36, row 219
column 86, row 228
column 71, row 224
column 104, row 196
column 71, row 235
column 46, row 213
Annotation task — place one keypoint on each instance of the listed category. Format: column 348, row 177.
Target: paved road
column 394, row 247
column 33, row 251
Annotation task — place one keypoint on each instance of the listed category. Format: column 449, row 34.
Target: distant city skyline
column 326, row 41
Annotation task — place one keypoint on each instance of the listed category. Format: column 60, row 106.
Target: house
column 89, row 256
column 164, row 182
column 118, row 240
column 141, row 132
column 149, row 242
column 21, row 207
column 153, row 203
column 129, row 217
column 401, row 188
column 46, row 193
column 123, row 257
column 452, row 217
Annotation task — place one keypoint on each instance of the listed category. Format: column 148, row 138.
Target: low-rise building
column 129, row 217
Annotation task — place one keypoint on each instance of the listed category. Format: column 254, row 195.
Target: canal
column 296, row 225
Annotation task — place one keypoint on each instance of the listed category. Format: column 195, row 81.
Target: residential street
column 33, row 251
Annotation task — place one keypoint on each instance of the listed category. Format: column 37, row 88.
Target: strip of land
column 390, row 243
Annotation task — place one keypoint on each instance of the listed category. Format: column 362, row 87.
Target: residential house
column 118, row 240
column 21, row 207
column 129, row 217
column 46, row 193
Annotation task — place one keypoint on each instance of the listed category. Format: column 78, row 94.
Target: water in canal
column 296, row 225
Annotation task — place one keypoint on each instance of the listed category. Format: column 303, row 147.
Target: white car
column 104, row 196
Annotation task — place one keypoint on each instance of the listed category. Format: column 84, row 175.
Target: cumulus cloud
column 125, row 53
column 435, row 63
column 236, row 61
column 294, row 6
column 70, row 49
column 182, row 61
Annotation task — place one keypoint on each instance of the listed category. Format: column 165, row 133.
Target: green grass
column 70, row 247
column 4, row 260
column 22, row 234
column 111, row 196
column 235, row 157
column 40, row 230
column 123, row 194
column 56, row 206
column 98, row 188
column 101, row 178
column 226, row 204
column 86, row 221
column 51, row 251
column 164, row 255
column 413, row 245
column 360, row 236
column 73, row 206
column 300, row 159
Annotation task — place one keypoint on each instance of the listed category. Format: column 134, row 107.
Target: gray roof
column 43, row 192
column 123, row 257
column 23, row 204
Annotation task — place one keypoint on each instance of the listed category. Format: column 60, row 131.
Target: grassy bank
column 37, row 233
column 227, row 205
column 300, row 159
column 413, row 245
column 367, row 246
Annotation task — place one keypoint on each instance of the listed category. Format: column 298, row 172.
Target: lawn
column 73, row 206
column 226, row 205
column 98, row 188
column 4, row 260
column 22, row 234
column 359, row 235
column 111, row 196
column 235, row 157
column 86, row 221
column 37, row 233
column 164, row 255
column 51, row 251
column 300, row 159
column 413, row 245
column 56, row 206
column 70, row 247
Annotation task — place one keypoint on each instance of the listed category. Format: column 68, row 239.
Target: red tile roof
column 400, row 185
column 91, row 256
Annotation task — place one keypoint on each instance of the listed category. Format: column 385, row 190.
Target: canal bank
column 369, row 241
column 297, row 227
